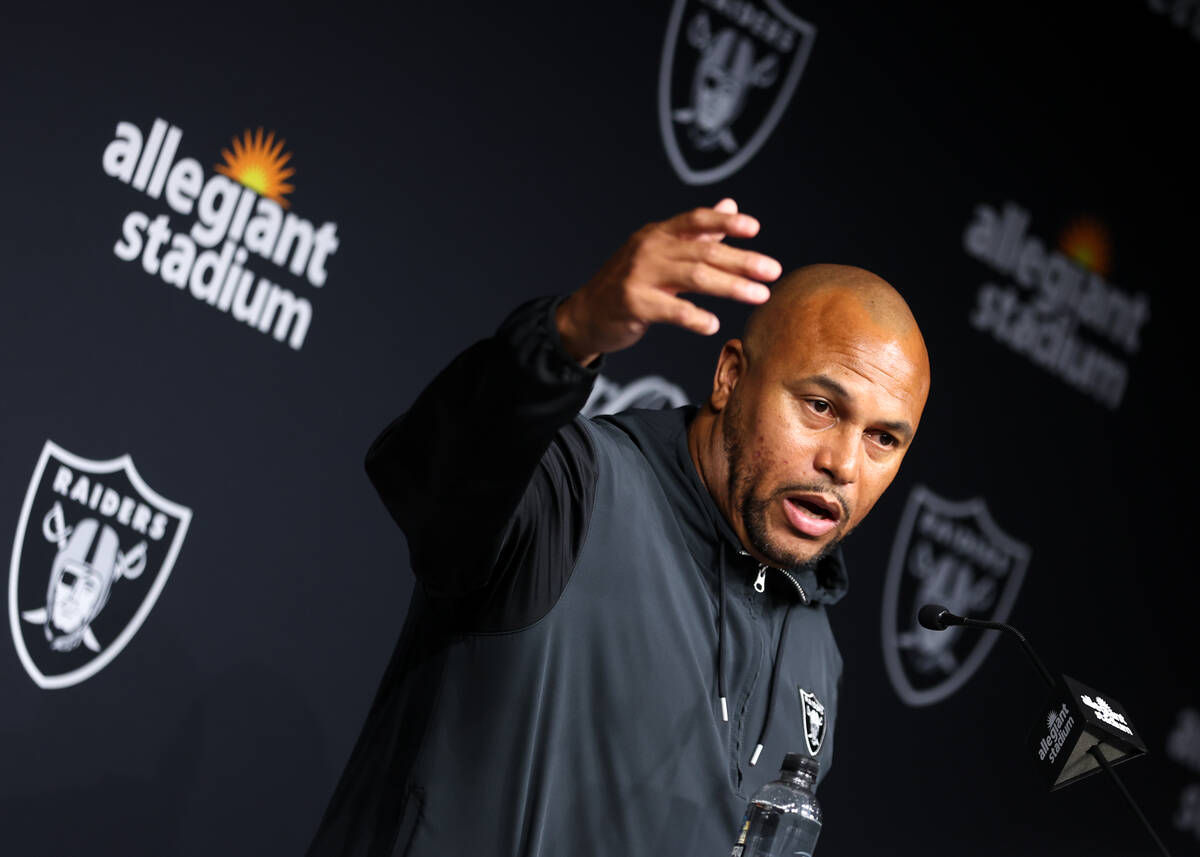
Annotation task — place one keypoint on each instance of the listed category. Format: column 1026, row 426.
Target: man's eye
column 887, row 441
column 818, row 414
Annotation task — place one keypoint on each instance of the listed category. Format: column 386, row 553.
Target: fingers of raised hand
column 685, row 254
column 746, row 263
column 703, row 222
column 725, row 206
column 668, row 309
column 702, row 278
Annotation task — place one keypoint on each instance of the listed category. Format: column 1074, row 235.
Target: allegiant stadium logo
column 1056, row 307
column 236, row 212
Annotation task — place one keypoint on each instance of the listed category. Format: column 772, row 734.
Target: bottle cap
column 801, row 762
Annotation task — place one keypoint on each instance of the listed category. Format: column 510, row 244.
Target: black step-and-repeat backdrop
column 237, row 242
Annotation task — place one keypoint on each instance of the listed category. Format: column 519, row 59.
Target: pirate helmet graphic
column 89, row 560
column 722, row 80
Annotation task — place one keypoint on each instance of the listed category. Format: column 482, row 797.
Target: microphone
column 935, row 617
column 1082, row 733
column 1078, row 718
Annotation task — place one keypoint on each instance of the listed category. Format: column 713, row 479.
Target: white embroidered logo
column 814, row 720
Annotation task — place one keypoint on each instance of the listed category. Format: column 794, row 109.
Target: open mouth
column 812, row 514
column 818, row 506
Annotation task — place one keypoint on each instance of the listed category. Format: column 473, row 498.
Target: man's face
column 815, row 430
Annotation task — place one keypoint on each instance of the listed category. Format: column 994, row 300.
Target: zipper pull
column 760, row 582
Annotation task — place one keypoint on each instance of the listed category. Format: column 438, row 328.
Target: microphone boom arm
column 1033, row 656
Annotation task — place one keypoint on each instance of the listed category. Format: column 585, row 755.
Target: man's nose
column 837, row 456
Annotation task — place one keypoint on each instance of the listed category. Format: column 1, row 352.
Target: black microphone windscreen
column 930, row 616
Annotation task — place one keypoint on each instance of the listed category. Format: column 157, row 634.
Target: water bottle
column 783, row 817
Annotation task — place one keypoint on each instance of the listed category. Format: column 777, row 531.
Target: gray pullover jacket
column 583, row 619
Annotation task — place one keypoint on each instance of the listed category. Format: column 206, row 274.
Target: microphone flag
column 1077, row 718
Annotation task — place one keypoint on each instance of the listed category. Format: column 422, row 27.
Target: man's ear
column 730, row 367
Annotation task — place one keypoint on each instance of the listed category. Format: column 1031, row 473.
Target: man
column 614, row 618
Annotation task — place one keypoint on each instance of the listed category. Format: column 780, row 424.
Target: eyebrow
column 900, row 427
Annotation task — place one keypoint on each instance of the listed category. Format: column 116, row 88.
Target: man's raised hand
column 640, row 285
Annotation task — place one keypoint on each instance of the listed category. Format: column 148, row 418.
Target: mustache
column 817, row 488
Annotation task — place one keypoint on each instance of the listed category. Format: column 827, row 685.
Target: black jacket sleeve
column 486, row 474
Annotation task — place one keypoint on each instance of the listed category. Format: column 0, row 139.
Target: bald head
column 823, row 295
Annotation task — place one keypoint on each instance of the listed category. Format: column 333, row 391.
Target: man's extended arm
column 454, row 469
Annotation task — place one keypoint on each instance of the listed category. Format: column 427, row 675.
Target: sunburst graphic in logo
column 260, row 164
column 1051, row 718
column 1086, row 240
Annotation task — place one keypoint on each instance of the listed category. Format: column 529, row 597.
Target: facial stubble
column 753, row 509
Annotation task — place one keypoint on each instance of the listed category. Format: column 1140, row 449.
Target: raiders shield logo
column 728, row 71
column 953, row 554
column 814, row 721
column 94, row 548
column 609, row 397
